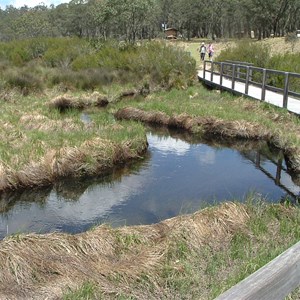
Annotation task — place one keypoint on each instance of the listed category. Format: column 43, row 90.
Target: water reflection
column 275, row 169
column 167, row 145
column 179, row 175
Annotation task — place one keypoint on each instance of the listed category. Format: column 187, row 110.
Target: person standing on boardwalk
column 211, row 51
column 202, row 51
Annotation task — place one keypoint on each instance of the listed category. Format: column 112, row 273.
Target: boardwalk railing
column 274, row 281
column 285, row 83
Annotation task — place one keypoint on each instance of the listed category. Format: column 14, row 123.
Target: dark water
column 178, row 175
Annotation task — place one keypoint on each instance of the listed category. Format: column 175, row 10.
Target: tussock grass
column 109, row 257
column 206, row 125
column 186, row 257
column 91, row 157
column 64, row 102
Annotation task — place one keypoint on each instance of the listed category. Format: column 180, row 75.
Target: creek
column 178, row 175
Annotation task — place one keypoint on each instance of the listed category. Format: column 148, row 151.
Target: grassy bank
column 175, row 259
column 40, row 144
column 201, row 112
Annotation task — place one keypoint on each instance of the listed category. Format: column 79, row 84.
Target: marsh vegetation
column 45, row 85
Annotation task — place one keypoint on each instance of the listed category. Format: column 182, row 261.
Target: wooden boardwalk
column 274, row 281
column 234, row 83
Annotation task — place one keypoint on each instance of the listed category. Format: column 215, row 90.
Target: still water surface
column 175, row 177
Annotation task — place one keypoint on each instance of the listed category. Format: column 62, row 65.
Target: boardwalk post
column 221, row 74
column 204, row 69
column 263, row 86
column 247, row 80
column 286, row 90
column 211, row 71
column 278, row 171
column 233, row 77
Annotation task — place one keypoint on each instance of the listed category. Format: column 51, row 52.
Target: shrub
column 161, row 63
column 291, row 38
column 289, row 62
column 20, row 52
column 75, row 63
column 26, row 82
column 89, row 79
column 247, row 51
column 62, row 52
column 85, row 62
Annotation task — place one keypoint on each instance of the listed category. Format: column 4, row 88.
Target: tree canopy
column 142, row 19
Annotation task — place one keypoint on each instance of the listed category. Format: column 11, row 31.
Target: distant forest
column 131, row 20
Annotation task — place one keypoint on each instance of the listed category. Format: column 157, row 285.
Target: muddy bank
column 44, row 266
column 210, row 126
column 94, row 157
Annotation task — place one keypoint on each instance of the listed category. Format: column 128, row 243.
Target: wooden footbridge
column 282, row 275
column 279, row 88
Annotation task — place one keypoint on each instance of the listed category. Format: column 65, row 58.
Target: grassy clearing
column 277, row 47
column 175, row 259
column 43, row 136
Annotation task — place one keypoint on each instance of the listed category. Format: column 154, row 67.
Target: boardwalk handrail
column 249, row 74
column 275, row 280
column 244, row 63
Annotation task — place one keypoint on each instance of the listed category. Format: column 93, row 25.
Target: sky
column 31, row 3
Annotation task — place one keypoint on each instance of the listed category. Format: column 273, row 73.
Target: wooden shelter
column 171, row 33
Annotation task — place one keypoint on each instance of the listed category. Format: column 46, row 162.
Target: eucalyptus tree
column 291, row 22
column 266, row 16
column 77, row 18
column 97, row 19
column 6, row 22
column 33, row 22
column 127, row 19
column 60, row 19
column 185, row 16
column 233, row 19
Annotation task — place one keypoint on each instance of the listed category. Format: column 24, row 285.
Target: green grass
column 86, row 292
column 28, row 121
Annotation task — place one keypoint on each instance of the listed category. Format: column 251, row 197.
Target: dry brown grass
column 41, row 122
column 42, row 266
column 208, row 125
column 92, row 157
column 64, row 102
